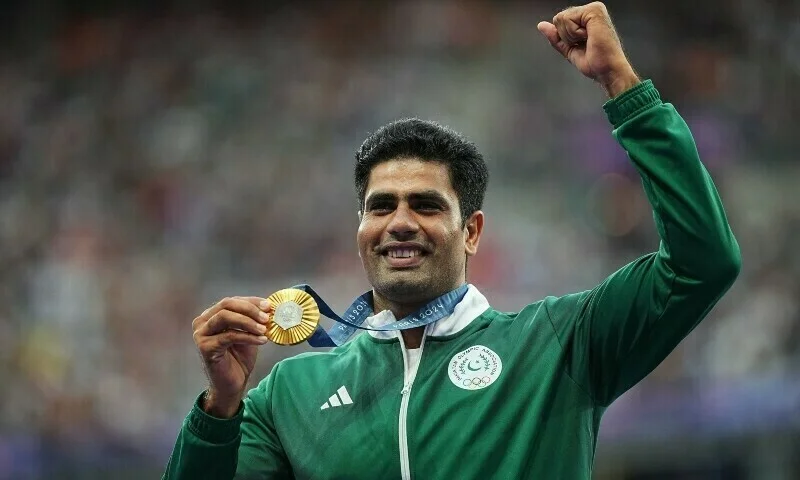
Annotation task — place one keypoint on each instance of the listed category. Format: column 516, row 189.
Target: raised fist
column 586, row 37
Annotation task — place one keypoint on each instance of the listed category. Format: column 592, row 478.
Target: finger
column 229, row 320
column 230, row 338
column 203, row 317
column 551, row 34
column 262, row 303
column 575, row 32
column 243, row 306
column 560, row 21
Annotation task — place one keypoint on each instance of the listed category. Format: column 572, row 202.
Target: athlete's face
column 410, row 238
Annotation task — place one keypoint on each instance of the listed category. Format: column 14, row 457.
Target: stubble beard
column 404, row 287
column 416, row 287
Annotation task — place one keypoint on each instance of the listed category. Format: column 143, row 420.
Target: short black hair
column 430, row 142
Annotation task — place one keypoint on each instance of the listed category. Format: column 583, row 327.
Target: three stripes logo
column 341, row 397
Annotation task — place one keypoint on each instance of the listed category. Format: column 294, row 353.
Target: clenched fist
column 227, row 336
column 586, row 37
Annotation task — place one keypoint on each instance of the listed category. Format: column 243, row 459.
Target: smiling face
column 410, row 238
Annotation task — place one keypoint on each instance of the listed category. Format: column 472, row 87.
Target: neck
column 399, row 310
column 412, row 337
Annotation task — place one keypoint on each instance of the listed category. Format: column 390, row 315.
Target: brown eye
column 381, row 207
column 428, row 207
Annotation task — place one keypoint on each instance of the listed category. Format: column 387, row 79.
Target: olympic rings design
column 476, row 382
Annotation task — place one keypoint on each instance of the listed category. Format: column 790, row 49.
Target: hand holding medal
column 227, row 335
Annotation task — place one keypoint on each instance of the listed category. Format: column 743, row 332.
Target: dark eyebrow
column 428, row 195
column 421, row 196
column 380, row 197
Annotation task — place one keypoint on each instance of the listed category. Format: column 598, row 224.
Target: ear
column 360, row 216
column 472, row 233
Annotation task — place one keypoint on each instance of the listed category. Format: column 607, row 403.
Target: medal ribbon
column 361, row 309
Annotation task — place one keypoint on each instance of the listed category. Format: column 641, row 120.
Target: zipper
column 405, row 467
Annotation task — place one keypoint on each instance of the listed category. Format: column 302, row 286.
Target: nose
column 403, row 224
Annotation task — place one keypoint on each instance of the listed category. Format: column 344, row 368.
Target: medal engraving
column 288, row 315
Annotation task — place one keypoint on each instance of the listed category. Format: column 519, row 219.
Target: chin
column 405, row 289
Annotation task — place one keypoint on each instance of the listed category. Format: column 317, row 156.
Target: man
column 479, row 393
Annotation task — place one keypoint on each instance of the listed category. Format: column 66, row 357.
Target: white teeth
column 404, row 253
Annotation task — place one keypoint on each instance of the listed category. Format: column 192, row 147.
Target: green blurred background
column 156, row 156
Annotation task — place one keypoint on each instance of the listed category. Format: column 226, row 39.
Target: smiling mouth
column 404, row 256
column 403, row 252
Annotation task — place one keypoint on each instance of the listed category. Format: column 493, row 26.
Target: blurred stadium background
column 156, row 156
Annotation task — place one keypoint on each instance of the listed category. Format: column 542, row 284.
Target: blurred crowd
column 152, row 164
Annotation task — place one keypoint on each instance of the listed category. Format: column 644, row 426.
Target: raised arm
column 622, row 329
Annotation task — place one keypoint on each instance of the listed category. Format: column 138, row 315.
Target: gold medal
column 295, row 317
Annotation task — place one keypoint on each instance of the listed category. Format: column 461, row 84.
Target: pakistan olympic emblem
column 475, row 368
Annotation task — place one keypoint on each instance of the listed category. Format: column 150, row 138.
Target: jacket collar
column 468, row 309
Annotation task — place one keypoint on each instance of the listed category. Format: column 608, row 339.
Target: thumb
column 550, row 32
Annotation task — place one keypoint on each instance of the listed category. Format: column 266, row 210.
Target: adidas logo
column 341, row 397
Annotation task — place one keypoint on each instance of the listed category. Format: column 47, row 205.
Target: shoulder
column 316, row 364
column 316, row 374
column 552, row 313
column 316, row 358
column 549, row 307
column 565, row 306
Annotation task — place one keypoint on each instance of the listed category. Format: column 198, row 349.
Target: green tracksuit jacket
column 496, row 395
